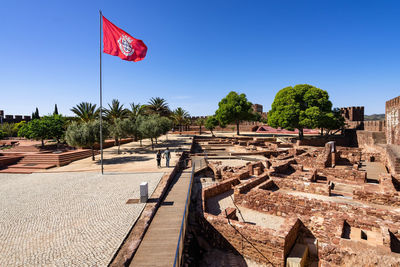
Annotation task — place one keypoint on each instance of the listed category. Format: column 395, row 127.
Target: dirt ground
column 133, row 157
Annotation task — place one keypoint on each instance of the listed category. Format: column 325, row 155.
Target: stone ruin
column 291, row 205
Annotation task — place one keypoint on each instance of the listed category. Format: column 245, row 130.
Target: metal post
column 101, row 104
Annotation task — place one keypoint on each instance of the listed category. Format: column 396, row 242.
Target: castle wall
column 393, row 121
column 353, row 113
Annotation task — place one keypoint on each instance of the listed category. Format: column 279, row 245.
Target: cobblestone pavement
column 67, row 219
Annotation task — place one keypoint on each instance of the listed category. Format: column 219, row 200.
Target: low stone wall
column 261, row 244
column 368, row 194
column 245, row 187
column 348, row 155
column 307, row 187
column 219, row 188
column 283, row 204
column 383, row 194
column 340, row 175
column 321, row 141
column 282, row 166
column 252, row 166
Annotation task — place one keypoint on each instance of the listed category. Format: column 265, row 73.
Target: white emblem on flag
column 125, row 45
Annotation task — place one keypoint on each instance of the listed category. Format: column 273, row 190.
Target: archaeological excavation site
column 280, row 201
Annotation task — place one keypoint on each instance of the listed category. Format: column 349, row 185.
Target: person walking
column 167, row 155
column 158, row 155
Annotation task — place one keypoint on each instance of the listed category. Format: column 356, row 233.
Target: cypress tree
column 37, row 116
column 55, row 110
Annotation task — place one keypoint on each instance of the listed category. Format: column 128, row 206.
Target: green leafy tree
column 86, row 111
column 18, row 125
column 332, row 121
column 152, row 128
column 36, row 129
column 299, row 107
column 55, row 112
column 120, row 128
column 85, row 134
column 137, row 129
column 165, row 124
column 55, row 126
column 158, row 105
column 46, row 127
column 200, row 122
column 234, row 108
column 24, row 130
column 211, row 123
column 8, row 129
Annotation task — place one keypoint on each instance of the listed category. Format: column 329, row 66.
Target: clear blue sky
column 198, row 51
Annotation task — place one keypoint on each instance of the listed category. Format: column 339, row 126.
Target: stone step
column 20, row 171
column 32, row 166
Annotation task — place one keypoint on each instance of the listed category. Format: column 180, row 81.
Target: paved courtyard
column 67, row 219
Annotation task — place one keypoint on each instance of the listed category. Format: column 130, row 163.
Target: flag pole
column 101, row 105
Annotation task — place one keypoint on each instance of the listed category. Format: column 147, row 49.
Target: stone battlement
column 13, row 118
column 353, row 113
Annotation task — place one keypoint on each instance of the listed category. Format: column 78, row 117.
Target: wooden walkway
column 159, row 244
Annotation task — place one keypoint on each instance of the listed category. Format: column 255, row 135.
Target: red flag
column 118, row 43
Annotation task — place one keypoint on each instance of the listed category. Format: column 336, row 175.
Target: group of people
column 166, row 154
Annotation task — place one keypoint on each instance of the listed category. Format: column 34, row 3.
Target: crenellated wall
column 353, row 113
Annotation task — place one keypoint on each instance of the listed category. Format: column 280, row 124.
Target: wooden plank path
column 159, row 244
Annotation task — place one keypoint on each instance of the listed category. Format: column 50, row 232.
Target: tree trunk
column 119, row 146
column 212, row 133
column 301, row 134
column 156, row 141
column 200, row 129
column 322, row 131
column 152, row 144
column 237, row 128
column 140, row 142
column 92, row 148
column 42, row 143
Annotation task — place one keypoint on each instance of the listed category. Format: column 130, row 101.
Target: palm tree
column 86, row 111
column 158, row 106
column 136, row 111
column 180, row 116
column 200, row 122
column 116, row 111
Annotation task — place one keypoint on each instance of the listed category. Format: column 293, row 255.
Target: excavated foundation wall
column 324, row 219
